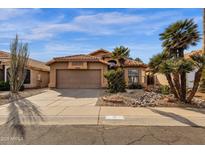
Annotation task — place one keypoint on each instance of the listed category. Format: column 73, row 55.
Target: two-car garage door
column 78, row 78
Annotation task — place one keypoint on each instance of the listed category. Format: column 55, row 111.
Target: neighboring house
column 191, row 75
column 87, row 71
column 37, row 72
column 155, row 80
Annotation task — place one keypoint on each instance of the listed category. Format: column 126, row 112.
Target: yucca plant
column 178, row 37
column 199, row 62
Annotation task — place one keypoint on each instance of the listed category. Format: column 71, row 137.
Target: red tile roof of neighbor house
column 33, row 64
column 80, row 57
column 187, row 55
column 100, row 50
column 4, row 54
column 130, row 63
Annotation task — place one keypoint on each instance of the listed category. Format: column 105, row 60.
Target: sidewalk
column 93, row 115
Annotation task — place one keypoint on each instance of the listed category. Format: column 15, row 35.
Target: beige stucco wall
column 160, row 79
column 66, row 65
column 39, row 79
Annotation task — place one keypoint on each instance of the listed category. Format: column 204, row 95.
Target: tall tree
column 138, row 59
column 177, row 38
column 121, row 53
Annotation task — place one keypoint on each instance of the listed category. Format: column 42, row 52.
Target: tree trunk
column 196, row 84
column 177, row 84
column 169, row 79
column 182, row 79
column 183, row 86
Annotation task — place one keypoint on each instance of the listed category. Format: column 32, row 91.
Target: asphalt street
column 104, row 135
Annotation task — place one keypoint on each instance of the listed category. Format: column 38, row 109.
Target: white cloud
column 76, row 48
column 108, row 18
column 112, row 23
column 6, row 14
column 98, row 24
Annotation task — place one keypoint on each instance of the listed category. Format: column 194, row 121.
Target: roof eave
column 64, row 60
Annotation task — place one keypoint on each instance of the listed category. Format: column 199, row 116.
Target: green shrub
column 164, row 89
column 135, row 86
column 22, row 88
column 4, row 86
column 116, row 81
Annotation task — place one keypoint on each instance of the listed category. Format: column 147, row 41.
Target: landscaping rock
column 198, row 102
column 113, row 99
column 148, row 99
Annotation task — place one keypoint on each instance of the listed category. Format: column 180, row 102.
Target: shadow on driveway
column 175, row 117
column 196, row 110
column 21, row 110
column 80, row 93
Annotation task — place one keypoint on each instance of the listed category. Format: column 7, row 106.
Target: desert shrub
column 115, row 79
column 164, row 89
column 135, row 86
column 4, row 86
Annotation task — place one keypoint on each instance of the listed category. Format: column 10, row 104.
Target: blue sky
column 58, row 32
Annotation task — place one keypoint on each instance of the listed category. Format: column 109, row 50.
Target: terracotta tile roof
column 33, row 64
column 100, row 50
column 91, row 58
column 38, row 65
column 4, row 54
column 187, row 55
column 130, row 63
column 81, row 57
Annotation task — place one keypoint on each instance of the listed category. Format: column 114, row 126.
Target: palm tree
column 158, row 63
column 121, row 53
column 138, row 59
column 177, row 38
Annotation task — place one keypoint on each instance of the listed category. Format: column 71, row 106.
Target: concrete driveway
column 77, row 106
column 58, row 106
column 66, row 97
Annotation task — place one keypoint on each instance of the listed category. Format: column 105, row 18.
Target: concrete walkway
column 78, row 107
column 115, row 116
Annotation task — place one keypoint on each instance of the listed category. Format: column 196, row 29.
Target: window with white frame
column 133, row 76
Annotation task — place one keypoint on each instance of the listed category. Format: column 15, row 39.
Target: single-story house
column 87, row 70
column 37, row 72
